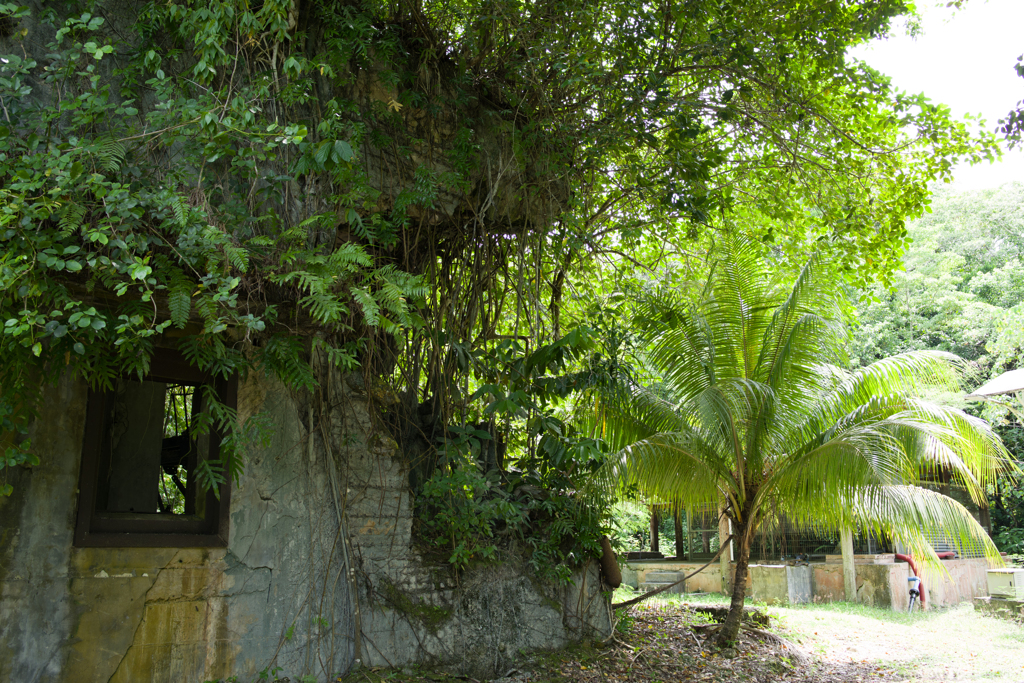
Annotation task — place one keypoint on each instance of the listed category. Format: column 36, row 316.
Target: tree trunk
column 680, row 541
column 655, row 523
column 731, row 626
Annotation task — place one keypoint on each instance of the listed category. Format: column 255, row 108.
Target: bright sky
column 964, row 59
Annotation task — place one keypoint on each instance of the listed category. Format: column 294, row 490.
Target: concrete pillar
column 849, row 567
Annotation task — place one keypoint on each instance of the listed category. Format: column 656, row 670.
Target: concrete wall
column 709, row 580
column 781, row 584
column 36, row 522
column 963, row 580
column 280, row 595
column 880, row 585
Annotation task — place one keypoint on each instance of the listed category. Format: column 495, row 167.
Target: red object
column 910, row 560
column 947, row 555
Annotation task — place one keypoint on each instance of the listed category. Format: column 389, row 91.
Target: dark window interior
column 139, row 460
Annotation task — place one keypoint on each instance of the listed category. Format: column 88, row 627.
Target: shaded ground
column 669, row 640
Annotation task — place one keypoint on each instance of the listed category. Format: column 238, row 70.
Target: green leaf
column 342, row 150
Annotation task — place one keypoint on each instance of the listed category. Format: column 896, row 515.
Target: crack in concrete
column 142, row 619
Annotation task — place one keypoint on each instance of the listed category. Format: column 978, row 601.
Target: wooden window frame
column 96, row 529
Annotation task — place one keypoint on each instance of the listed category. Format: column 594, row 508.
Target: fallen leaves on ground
column 662, row 643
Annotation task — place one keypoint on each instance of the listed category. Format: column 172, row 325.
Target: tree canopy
column 416, row 187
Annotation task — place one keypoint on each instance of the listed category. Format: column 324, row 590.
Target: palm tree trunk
column 731, row 627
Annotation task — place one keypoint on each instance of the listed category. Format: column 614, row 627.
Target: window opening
column 148, row 455
column 140, row 461
column 174, row 465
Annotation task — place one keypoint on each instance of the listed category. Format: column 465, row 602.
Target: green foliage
column 473, row 517
column 1013, row 125
column 958, row 289
column 122, row 224
column 472, row 509
column 464, row 511
column 631, row 527
column 753, row 409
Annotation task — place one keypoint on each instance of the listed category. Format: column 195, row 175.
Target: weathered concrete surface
column 658, row 579
column 707, row 581
column 781, row 584
column 474, row 623
column 768, row 583
column 148, row 614
column 879, row 585
column 478, row 627
column 1000, row 607
column 962, row 580
column 36, row 525
column 281, row 593
column 800, row 582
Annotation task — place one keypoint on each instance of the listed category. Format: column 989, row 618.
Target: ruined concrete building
column 115, row 566
column 304, row 567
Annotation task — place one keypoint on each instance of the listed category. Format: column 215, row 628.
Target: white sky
column 964, row 59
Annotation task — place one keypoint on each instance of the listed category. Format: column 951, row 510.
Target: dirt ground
column 663, row 641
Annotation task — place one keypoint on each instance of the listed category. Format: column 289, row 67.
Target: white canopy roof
column 1006, row 383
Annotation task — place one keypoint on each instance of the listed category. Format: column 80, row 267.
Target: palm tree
column 752, row 409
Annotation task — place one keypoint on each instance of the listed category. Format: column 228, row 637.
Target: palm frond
column 751, row 404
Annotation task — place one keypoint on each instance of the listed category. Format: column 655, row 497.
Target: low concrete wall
column 708, row 580
column 779, row 584
column 769, row 584
column 878, row 584
column 962, row 580
column 1000, row 607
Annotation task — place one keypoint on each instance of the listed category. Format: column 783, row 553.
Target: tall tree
column 752, row 408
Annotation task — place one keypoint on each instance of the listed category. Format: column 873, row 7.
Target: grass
column 624, row 592
column 939, row 645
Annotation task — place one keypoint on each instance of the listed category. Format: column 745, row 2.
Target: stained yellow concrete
column 150, row 614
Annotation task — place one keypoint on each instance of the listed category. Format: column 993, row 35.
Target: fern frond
column 237, row 257
column 283, row 356
column 324, row 307
column 180, row 304
column 111, row 155
column 71, row 220
column 371, row 310
column 180, row 213
column 345, row 258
